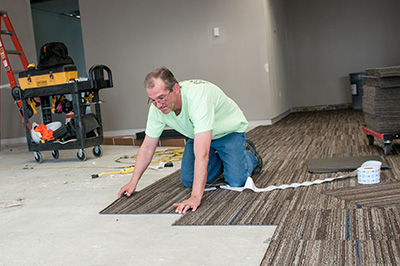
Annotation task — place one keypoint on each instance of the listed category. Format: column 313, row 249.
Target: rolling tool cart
column 88, row 129
column 385, row 138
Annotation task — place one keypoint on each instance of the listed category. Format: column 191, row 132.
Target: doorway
column 59, row 21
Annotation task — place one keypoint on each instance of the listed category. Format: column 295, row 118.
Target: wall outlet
column 216, row 32
column 266, row 67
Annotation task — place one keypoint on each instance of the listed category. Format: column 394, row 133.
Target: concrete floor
column 51, row 216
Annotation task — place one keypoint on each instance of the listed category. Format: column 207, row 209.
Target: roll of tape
column 369, row 173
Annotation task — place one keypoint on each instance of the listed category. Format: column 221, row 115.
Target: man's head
column 162, row 73
column 163, row 90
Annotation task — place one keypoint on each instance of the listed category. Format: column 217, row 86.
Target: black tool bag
column 52, row 55
column 68, row 131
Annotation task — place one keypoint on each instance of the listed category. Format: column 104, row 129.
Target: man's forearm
column 201, row 151
column 142, row 161
column 200, row 176
column 144, row 157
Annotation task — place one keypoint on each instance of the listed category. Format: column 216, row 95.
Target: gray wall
column 330, row 39
column 309, row 46
column 278, row 48
column 135, row 37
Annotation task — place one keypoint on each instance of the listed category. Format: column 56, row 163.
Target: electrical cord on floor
column 168, row 155
column 59, row 167
column 166, row 158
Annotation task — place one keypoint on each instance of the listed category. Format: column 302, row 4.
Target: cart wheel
column 38, row 157
column 370, row 139
column 16, row 93
column 387, row 148
column 55, row 154
column 81, row 155
column 97, row 151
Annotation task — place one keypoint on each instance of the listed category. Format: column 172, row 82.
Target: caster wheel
column 387, row 148
column 38, row 157
column 81, row 155
column 370, row 140
column 16, row 93
column 55, row 154
column 97, row 151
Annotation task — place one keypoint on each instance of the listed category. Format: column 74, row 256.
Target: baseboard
column 255, row 123
column 328, row 107
column 13, row 141
column 123, row 132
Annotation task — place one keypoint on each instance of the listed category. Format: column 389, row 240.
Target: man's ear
column 176, row 87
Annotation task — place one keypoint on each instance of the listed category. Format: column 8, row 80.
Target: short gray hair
column 162, row 73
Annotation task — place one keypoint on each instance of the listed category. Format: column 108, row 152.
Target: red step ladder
column 18, row 49
column 4, row 54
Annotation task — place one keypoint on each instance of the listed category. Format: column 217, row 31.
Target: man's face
column 162, row 97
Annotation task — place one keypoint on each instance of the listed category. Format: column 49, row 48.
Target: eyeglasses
column 162, row 99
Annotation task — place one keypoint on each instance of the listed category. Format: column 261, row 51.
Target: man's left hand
column 191, row 203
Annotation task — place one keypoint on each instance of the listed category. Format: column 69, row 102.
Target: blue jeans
column 228, row 155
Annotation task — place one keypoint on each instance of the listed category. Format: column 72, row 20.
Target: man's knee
column 187, row 183
column 237, row 183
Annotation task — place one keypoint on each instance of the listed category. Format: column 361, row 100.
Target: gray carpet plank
column 341, row 164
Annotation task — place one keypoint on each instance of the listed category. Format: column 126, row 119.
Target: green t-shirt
column 204, row 107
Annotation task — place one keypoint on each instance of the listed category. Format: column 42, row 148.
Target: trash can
column 357, row 90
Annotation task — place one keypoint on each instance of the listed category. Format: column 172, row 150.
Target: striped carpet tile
column 332, row 252
column 341, row 224
column 373, row 195
column 313, row 228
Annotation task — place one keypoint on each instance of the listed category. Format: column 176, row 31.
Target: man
column 214, row 125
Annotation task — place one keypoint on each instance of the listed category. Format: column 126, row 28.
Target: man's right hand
column 143, row 160
column 127, row 190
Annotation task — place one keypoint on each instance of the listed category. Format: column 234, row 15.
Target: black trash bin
column 357, row 89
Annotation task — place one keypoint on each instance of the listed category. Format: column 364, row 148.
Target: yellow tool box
column 33, row 78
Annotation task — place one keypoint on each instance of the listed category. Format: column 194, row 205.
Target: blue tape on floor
column 300, row 144
column 234, row 218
